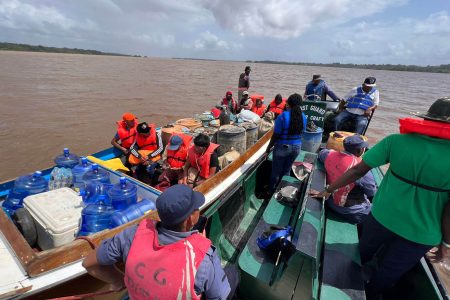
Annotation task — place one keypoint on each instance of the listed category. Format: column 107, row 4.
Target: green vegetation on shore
column 39, row 48
column 389, row 67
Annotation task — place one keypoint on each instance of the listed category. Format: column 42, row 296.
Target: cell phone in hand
column 201, row 224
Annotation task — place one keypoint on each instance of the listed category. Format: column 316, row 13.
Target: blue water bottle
column 132, row 213
column 123, row 194
column 95, row 217
column 78, row 172
column 24, row 186
column 67, row 159
column 91, row 192
column 96, row 174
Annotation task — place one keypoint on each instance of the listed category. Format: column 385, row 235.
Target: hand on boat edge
column 438, row 254
column 319, row 195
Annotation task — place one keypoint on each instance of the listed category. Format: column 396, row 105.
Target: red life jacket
column 233, row 103
column 126, row 135
column 277, row 108
column 154, row 271
column 336, row 164
column 147, row 142
column 259, row 110
column 425, row 127
column 177, row 158
column 201, row 162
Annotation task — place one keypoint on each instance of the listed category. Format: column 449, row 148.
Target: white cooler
column 57, row 216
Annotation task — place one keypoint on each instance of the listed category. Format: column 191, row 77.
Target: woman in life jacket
column 259, row 108
column 286, row 140
column 202, row 161
column 277, row 106
column 125, row 136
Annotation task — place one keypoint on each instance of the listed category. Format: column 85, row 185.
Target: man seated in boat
column 351, row 201
column 411, row 209
column 175, row 157
column 245, row 102
column 359, row 104
column 229, row 103
column 259, row 108
column 317, row 90
column 169, row 259
column 125, row 135
column 277, row 106
column 146, row 150
column 202, row 162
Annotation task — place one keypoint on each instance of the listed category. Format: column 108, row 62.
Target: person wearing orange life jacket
column 202, row 161
column 168, row 259
column 277, row 106
column 351, row 201
column 259, row 108
column 229, row 103
column 175, row 159
column 125, row 135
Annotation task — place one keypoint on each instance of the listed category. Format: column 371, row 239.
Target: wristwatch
column 327, row 189
column 445, row 244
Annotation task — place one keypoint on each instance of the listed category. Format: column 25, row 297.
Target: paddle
column 368, row 122
column 114, row 164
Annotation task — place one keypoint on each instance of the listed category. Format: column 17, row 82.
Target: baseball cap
column 128, row 116
column 143, row 128
column 354, row 142
column 175, row 142
column 244, row 93
column 177, row 203
column 316, row 77
column 248, row 68
column 370, row 81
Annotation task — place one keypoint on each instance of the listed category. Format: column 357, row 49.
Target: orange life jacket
column 277, row 108
column 201, row 161
column 148, row 142
column 425, row 127
column 177, row 158
column 259, row 110
column 126, row 135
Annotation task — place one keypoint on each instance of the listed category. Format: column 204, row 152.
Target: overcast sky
column 346, row 31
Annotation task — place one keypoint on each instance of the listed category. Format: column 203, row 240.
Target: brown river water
column 51, row 101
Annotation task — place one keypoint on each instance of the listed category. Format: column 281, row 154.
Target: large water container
column 230, row 136
column 24, row 186
column 95, row 217
column 251, row 133
column 78, row 172
column 93, row 190
column 311, row 140
column 67, row 159
column 211, row 132
column 96, row 174
column 123, row 194
column 132, row 213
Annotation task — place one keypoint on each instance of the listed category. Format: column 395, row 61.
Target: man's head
column 129, row 119
column 439, row 111
column 355, row 145
column 278, row 99
column 247, row 70
column 245, row 94
column 178, row 207
column 201, row 143
column 316, row 79
column 369, row 83
column 175, row 143
column 258, row 102
column 143, row 129
column 229, row 95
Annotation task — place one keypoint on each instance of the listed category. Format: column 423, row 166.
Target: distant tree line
column 389, row 67
column 39, row 48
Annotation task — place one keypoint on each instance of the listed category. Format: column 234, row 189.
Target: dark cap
column 354, row 142
column 316, row 77
column 438, row 111
column 143, row 128
column 175, row 143
column 370, row 81
column 177, row 203
column 248, row 68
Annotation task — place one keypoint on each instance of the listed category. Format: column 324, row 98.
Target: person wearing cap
column 317, row 90
column 411, row 209
column 245, row 102
column 351, row 202
column 359, row 104
column 244, row 82
column 169, row 259
column 229, row 103
column 125, row 135
column 175, row 159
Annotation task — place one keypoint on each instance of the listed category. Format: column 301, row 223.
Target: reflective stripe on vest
column 202, row 162
column 126, row 135
column 154, row 271
column 361, row 100
column 312, row 89
column 336, row 164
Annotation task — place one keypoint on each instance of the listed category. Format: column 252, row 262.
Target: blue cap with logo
column 177, row 203
column 354, row 142
column 175, row 142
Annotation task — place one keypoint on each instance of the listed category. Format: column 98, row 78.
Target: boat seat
column 341, row 266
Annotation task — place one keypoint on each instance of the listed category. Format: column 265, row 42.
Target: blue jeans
column 283, row 157
column 355, row 214
column 399, row 255
column 359, row 120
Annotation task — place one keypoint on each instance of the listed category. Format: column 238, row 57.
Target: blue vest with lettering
column 282, row 128
column 312, row 89
column 361, row 100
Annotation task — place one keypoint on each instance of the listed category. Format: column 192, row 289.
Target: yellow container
column 336, row 139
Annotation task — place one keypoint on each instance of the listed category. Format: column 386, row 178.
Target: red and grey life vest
column 177, row 158
column 362, row 100
column 154, row 271
column 336, row 164
column 201, row 162
column 259, row 110
column 126, row 135
column 147, row 142
column 233, row 104
column 277, row 108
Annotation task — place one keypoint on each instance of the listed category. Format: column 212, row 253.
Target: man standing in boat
column 351, row 201
column 244, row 82
column 317, row 90
column 125, row 135
column 411, row 210
column 169, row 259
column 359, row 103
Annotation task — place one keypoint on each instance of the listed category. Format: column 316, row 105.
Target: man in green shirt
column 411, row 210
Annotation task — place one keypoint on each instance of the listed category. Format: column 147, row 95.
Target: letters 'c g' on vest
column 201, row 162
column 126, row 135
